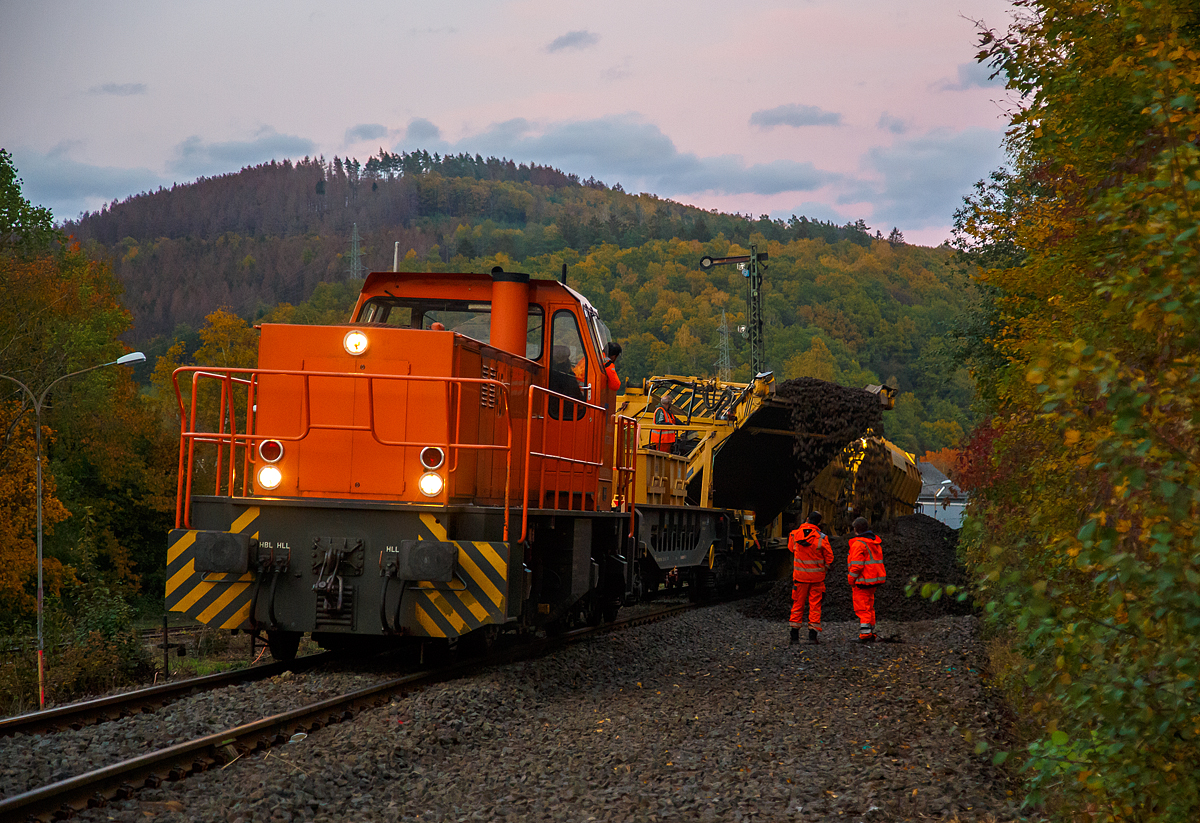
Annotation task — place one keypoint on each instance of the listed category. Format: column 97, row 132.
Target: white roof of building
column 935, row 484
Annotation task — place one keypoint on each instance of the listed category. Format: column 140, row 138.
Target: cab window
column 568, row 366
column 468, row 318
column 567, row 353
column 600, row 334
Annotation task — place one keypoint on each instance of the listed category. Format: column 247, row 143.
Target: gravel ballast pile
column 826, row 417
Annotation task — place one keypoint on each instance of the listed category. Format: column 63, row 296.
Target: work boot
column 813, row 637
column 795, row 637
column 867, row 638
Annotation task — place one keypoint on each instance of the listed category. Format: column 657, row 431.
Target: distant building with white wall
column 939, row 497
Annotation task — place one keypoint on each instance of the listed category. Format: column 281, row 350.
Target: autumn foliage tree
column 18, row 502
column 1085, row 495
column 61, row 313
column 944, row 460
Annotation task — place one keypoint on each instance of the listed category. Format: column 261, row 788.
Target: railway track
column 113, row 707
column 120, row 780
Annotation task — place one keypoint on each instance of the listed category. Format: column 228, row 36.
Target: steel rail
column 121, row 780
column 102, row 709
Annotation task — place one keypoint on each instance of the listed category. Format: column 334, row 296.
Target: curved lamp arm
column 123, row 360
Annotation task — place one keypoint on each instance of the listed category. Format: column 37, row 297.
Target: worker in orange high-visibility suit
column 663, row 439
column 866, row 575
column 811, row 556
column 612, row 352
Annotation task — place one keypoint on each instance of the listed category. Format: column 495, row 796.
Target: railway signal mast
column 750, row 265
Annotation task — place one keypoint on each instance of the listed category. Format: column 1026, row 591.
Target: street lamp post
column 38, row 403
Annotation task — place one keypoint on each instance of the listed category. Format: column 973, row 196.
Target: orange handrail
column 189, row 436
column 569, row 451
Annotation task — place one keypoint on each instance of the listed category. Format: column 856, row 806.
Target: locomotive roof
column 378, row 282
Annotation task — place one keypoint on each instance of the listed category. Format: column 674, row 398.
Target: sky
column 831, row 109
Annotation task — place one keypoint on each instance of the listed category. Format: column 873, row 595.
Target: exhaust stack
column 510, row 310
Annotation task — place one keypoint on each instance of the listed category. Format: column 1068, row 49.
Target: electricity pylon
column 356, row 266
column 724, row 362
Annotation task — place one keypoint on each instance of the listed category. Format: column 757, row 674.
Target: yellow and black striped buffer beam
column 478, row 595
column 218, row 600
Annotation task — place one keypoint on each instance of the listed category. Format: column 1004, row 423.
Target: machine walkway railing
column 625, row 448
column 566, row 436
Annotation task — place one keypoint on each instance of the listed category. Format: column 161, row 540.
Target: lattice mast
column 724, row 361
column 355, row 270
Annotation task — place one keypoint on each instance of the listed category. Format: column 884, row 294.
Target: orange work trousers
column 810, row 595
column 863, row 598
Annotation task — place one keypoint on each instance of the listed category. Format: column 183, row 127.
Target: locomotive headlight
column 432, row 457
column 430, row 484
column 355, row 342
column 269, row 477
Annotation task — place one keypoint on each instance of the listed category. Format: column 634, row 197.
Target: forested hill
column 271, row 233
column 841, row 303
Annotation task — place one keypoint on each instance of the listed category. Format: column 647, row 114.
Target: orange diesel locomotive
column 446, row 466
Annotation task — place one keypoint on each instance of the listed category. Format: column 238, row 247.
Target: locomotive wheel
column 703, row 587
column 592, row 613
column 724, row 576
column 283, row 645
column 638, row 589
column 480, row 642
column 649, row 579
column 440, row 651
column 611, row 607
column 353, row 643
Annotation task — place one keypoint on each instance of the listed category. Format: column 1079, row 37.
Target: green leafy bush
column 90, row 652
column 1085, row 475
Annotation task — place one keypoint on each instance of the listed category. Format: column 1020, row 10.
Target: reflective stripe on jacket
column 811, row 553
column 866, row 560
